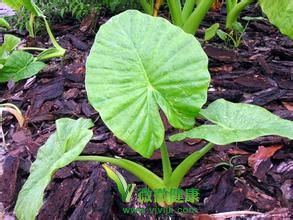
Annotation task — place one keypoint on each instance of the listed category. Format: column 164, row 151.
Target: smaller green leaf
column 63, row 147
column 20, row 65
column 237, row 122
column 222, row 35
column 10, row 43
column 238, row 27
column 211, row 31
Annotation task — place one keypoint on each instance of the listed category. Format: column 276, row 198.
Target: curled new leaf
column 63, row 147
column 138, row 65
column 236, row 123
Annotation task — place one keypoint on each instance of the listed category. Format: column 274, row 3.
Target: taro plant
column 233, row 37
column 141, row 66
column 35, row 11
column 16, row 65
column 189, row 14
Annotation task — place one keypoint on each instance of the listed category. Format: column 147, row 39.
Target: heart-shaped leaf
column 280, row 13
column 139, row 64
column 20, row 65
column 237, row 122
column 63, row 147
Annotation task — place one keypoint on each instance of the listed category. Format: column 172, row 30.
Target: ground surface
column 259, row 179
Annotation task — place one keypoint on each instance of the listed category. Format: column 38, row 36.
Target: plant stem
column 148, row 177
column 33, row 48
column 147, row 7
column 52, row 38
column 182, row 169
column 235, row 11
column 167, row 169
column 187, row 9
column 31, row 26
column 192, row 23
column 175, row 10
column 157, row 7
column 230, row 4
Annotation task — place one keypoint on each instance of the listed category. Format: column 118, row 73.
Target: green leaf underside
column 237, row 122
column 63, row 147
column 20, row 65
column 280, row 14
column 139, row 64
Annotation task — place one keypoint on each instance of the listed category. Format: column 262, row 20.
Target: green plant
column 189, row 15
column 35, row 11
column 16, row 65
column 57, row 10
column 235, row 35
column 132, row 73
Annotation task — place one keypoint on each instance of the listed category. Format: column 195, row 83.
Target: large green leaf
column 237, row 122
column 139, row 64
column 20, row 65
column 63, row 147
column 280, row 13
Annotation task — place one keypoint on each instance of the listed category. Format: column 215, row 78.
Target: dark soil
column 259, row 72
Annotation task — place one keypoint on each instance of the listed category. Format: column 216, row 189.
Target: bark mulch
column 257, row 175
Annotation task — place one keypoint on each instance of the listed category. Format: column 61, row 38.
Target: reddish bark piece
column 288, row 105
column 262, row 154
column 222, row 69
column 260, row 161
column 237, row 151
